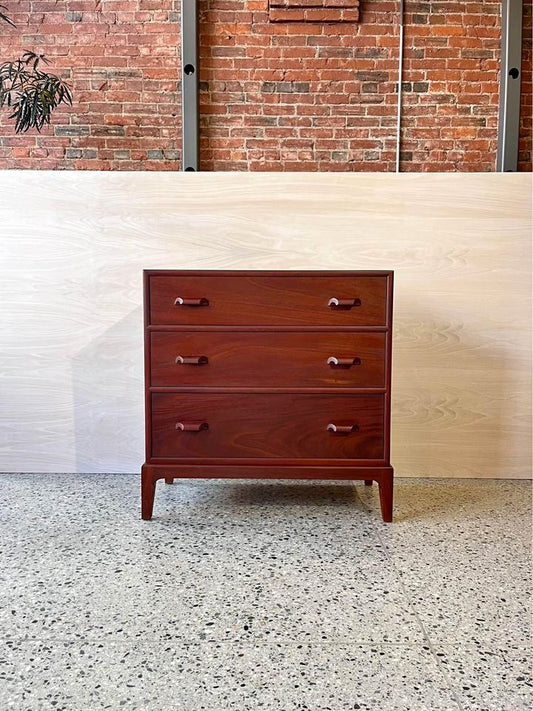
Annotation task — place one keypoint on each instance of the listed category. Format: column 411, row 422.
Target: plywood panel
column 74, row 245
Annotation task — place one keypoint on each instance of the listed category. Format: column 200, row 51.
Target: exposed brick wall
column 323, row 97
column 121, row 58
column 274, row 95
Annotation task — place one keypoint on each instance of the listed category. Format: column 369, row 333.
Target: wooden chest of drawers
column 263, row 374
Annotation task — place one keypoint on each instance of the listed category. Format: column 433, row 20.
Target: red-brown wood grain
column 259, row 359
column 267, row 425
column 261, row 405
column 258, row 299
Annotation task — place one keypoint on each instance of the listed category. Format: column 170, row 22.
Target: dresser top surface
column 268, row 272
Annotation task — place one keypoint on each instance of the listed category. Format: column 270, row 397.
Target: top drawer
column 258, row 299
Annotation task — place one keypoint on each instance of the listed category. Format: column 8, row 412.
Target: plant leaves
column 31, row 93
column 4, row 17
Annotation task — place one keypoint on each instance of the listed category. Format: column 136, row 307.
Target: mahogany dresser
column 268, row 375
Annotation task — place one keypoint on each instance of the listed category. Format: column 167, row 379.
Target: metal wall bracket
column 510, row 73
column 189, row 85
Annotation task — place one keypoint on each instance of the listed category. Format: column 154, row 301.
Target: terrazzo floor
column 267, row 596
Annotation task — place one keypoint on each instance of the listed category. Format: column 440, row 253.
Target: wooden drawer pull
column 343, row 362
column 342, row 429
column 180, row 301
column 192, row 360
column 192, row 426
column 335, row 303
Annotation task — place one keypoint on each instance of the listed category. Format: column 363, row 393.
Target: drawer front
column 273, row 425
column 268, row 300
column 268, row 359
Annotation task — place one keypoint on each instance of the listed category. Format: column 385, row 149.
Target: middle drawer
column 267, row 359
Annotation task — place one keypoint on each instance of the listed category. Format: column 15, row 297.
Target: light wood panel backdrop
column 74, row 244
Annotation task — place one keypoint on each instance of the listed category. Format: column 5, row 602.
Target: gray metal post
column 400, row 81
column 189, row 85
column 509, row 118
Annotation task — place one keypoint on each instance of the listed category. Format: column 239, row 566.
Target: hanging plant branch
column 4, row 17
column 30, row 93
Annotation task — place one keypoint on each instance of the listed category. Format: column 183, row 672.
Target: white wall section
column 74, row 244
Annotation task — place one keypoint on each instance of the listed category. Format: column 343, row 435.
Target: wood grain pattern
column 277, row 429
column 268, row 359
column 267, row 425
column 266, row 300
column 71, row 350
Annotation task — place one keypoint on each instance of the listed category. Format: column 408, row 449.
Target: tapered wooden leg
column 385, row 495
column 169, row 480
column 368, row 482
column 147, row 495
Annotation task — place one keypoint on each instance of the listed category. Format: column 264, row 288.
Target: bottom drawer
column 271, row 425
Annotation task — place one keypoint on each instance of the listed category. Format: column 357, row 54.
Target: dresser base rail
column 152, row 472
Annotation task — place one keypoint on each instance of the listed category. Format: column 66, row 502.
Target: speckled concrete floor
column 264, row 596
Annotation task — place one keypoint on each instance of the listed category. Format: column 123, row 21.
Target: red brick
column 122, row 62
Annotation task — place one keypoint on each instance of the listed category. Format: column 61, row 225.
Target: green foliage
column 29, row 92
